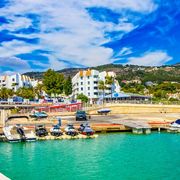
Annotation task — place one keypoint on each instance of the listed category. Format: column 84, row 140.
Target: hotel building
column 16, row 81
column 86, row 82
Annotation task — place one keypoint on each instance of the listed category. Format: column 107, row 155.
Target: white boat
column 29, row 135
column 11, row 134
column 175, row 124
column 18, row 134
column 70, row 130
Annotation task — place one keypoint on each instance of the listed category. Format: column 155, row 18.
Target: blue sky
column 37, row 35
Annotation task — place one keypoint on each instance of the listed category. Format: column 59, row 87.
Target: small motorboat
column 16, row 133
column 175, row 124
column 70, row 130
column 39, row 115
column 25, row 133
column 86, row 130
column 56, row 131
column 104, row 111
column 41, row 131
column 11, row 134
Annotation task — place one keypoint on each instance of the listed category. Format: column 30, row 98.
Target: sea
column 111, row 156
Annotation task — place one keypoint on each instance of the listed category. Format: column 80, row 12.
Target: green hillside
column 128, row 72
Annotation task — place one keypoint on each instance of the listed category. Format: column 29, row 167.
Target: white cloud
column 156, row 58
column 135, row 5
column 125, row 51
column 67, row 30
column 15, row 47
column 16, row 24
column 14, row 63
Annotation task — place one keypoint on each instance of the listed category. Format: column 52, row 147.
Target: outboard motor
column 20, row 131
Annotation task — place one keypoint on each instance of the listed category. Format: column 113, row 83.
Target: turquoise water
column 118, row 156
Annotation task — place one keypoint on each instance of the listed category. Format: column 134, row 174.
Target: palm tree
column 102, row 87
column 39, row 90
column 110, row 81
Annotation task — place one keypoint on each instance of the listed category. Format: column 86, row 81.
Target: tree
column 82, row 97
column 53, row 82
column 109, row 81
column 102, row 87
column 5, row 93
column 38, row 90
column 68, row 86
column 26, row 92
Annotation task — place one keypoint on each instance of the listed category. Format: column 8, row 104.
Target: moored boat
column 11, row 134
column 41, row 131
column 85, row 129
column 56, row 131
column 70, row 130
column 175, row 124
column 17, row 133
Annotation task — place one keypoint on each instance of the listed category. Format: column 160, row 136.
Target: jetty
column 138, row 127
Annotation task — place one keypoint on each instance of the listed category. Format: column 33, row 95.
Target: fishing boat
column 70, row 130
column 85, row 129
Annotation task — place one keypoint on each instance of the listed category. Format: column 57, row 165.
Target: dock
column 138, row 127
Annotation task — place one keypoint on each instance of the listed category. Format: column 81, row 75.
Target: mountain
column 127, row 72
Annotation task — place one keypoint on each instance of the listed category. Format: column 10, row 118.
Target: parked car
column 3, row 101
column 18, row 100
column 81, row 116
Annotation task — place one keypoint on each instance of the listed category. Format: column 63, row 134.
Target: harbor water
column 121, row 156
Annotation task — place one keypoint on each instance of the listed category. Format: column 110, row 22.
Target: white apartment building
column 16, row 81
column 86, row 82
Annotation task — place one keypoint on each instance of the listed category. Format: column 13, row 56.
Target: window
column 81, row 83
column 95, row 93
column 88, row 94
column 95, row 87
column 88, row 77
column 95, row 82
column 88, row 82
column 81, row 77
column 81, row 89
column 88, row 88
column 95, row 76
column 13, row 79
